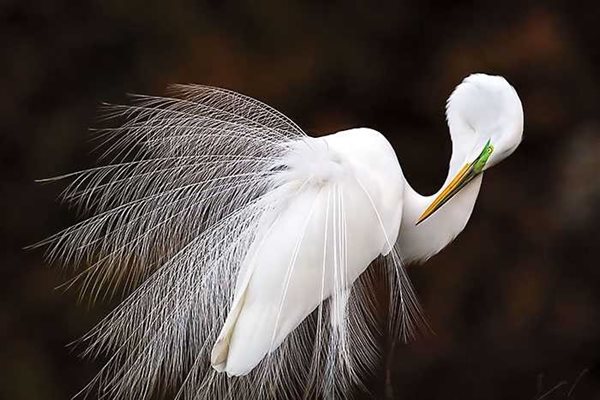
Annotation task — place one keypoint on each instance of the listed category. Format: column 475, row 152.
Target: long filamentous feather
column 171, row 220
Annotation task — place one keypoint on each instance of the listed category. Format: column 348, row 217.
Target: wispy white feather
column 171, row 221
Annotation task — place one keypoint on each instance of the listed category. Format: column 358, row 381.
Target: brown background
column 513, row 301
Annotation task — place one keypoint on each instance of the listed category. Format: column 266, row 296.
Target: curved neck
column 419, row 242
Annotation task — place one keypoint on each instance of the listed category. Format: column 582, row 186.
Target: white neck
column 480, row 109
column 419, row 242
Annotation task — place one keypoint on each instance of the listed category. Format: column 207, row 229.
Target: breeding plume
column 249, row 251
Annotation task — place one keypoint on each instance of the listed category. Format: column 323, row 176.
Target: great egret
column 246, row 242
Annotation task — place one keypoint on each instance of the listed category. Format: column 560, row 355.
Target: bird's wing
column 175, row 218
column 314, row 247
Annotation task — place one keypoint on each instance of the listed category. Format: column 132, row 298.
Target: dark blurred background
column 514, row 300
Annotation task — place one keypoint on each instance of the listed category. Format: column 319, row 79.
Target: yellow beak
column 464, row 176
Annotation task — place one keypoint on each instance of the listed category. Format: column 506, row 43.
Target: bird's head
column 485, row 117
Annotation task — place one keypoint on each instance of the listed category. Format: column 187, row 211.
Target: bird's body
column 253, row 241
column 341, row 208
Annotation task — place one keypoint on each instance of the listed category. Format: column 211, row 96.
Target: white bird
column 247, row 243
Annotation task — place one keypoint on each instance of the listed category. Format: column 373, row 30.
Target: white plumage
column 246, row 243
column 335, row 214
